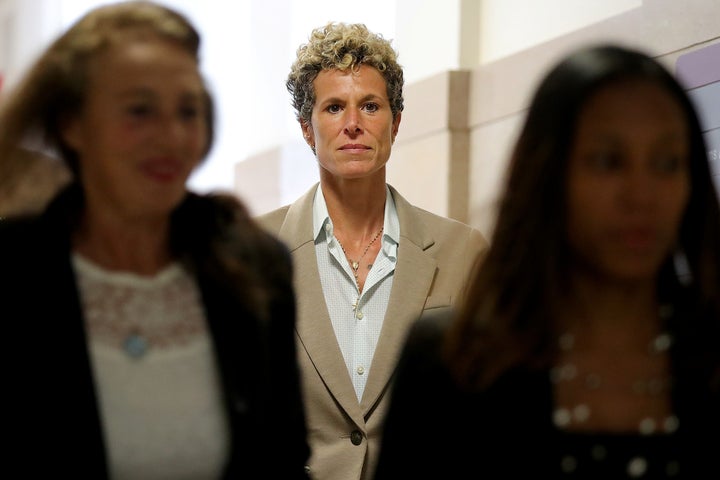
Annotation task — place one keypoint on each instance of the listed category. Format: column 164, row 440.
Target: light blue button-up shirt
column 357, row 318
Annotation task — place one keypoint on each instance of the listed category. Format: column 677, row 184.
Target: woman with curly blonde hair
column 367, row 261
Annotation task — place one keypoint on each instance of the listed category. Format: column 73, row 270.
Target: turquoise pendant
column 135, row 345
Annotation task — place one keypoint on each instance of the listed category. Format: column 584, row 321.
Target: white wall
column 248, row 46
column 509, row 26
column 26, row 26
column 428, row 37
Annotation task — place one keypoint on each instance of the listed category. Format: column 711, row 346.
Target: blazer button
column 356, row 437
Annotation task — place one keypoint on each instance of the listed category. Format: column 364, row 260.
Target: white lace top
column 155, row 373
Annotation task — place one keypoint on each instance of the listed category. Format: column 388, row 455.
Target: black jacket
column 436, row 429
column 51, row 419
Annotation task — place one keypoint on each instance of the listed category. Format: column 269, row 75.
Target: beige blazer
column 435, row 257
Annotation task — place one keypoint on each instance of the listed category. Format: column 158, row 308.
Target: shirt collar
column 321, row 217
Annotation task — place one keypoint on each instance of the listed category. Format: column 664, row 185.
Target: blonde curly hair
column 342, row 46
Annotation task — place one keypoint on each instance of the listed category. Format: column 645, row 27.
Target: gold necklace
column 355, row 264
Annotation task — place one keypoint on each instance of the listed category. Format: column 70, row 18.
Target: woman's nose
column 352, row 123
column 640, row 189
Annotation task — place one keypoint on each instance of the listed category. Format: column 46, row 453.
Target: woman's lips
column 162, row 169
column 636, row 238
column 355, row 147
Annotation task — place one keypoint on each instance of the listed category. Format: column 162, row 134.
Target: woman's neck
column 140, row 246
column 610, row 310
column 357, row 208
column 612, row 370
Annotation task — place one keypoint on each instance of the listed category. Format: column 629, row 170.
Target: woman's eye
column 371, row 107
column 189, row 112
column 603, row 162
column 139, row 110
column 668, row 163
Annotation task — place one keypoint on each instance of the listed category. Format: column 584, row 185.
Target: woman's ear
column 396, row 125
column 308, row 134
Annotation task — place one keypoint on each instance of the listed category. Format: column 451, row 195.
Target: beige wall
column 458, row 126
column 497, row 96
column 500, row 90
column 432, row 148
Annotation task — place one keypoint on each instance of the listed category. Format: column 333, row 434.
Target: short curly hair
column 342, row 46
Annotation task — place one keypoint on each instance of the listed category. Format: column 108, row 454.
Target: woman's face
column 628, row 180
column 142, row 128
column 352, row 127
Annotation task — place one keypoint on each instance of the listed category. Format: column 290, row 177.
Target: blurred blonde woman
column 152, row 328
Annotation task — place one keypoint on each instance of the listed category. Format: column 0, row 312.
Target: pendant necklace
column 652, row 385
column 136, row 345
column 355, row 264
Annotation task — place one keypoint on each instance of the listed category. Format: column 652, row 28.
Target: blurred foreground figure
column 151, row 329
column 588, row 344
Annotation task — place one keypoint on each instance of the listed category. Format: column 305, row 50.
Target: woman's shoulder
column 27, row 230
column 427, row 333
column 220, row 223
column 435, row 322
column 220, row 214
column 16, row 231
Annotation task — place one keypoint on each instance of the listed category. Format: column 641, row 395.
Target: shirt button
column 359, row 315
column 360, row 370
column 328, row 227
column 356, row 437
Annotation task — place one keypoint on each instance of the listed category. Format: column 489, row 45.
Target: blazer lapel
column 314, row 327
column 414, row 274
column 413, row 278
